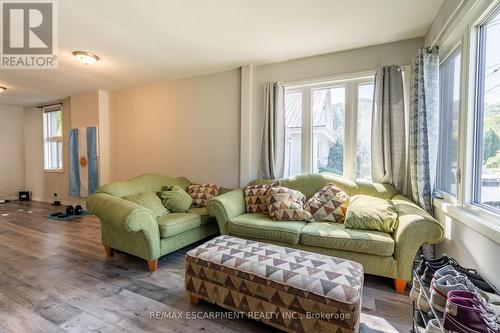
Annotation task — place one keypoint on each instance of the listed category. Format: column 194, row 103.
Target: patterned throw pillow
column 256, row 198
column 285, row 204
column 328, row 204
column 202, row 193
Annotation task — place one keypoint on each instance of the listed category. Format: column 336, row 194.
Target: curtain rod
column 53, row 104
column 452, row 18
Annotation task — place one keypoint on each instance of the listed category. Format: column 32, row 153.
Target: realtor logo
column 29, row 39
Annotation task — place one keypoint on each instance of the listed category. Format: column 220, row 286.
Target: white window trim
column 351, row 102
column 53, row 139
column 465, row 33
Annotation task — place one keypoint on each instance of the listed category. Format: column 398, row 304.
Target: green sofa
column 131, row 228
column 380, row 253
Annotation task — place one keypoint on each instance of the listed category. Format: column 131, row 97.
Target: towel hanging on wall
column 84, row 173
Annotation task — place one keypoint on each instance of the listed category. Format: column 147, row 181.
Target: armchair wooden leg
column 194, row 300
column 400, row 285
column 109, row 251
column 153, row 265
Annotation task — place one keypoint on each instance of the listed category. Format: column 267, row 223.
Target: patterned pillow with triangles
column 202, row 193
column 285, row 204
column 328, row 204
column 255, row 198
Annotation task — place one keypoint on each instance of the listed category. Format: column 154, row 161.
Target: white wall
column 11, row 151
column 185, row 128
column 346, row 62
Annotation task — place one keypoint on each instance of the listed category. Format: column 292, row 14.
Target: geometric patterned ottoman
column 293, row 290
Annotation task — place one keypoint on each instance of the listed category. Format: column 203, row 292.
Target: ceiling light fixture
column 85, row 57
column 2, row 89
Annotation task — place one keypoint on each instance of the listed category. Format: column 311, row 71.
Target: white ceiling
column 147, row 41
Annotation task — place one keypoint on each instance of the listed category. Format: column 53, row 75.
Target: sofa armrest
column 415, row 227
column 226, row 207
column 125, row 218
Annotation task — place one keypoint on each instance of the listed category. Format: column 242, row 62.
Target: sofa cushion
column 328, row 204
column 202, row 193
column 149, row 200
column 371, row 213
column 285, row 204
column 175, row 199
column 175, row 223
column 336, row 236
column 261, row 226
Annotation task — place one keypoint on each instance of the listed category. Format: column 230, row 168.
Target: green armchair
column 131, row 228
column 383, row 254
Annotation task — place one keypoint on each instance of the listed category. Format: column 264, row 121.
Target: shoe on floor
column 462, row 315
column 441, row 287
column 433, row 327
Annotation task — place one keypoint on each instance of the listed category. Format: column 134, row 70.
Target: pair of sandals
column 70, row 210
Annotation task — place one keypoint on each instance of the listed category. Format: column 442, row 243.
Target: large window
column 449, row 105
column 52, row 139
column 486, row 182
column 321, row 122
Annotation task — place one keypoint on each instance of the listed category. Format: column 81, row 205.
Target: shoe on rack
column 431, row 268
column 474, row 277
column 433, row 327
column 441, row 287
column 421, row 267
column 415, row 289
column 491, row 308
column 463, row 315
column 422, row 302
column 446, row 270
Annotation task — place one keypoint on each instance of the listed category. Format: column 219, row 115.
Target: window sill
column 487, row 226
column 53, row 171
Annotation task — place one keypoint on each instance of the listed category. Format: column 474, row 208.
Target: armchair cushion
column 175, row 223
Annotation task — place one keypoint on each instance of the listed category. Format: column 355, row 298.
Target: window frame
column 46, row 138
column 448, row 196
column 477, row 144
column 351, row 83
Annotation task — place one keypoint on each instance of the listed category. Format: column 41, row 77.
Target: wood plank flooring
column 55, row 277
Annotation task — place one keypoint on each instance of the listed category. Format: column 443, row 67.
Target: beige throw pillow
column 328, row 204
column 285, row 204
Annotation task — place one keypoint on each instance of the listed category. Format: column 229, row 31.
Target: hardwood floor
column 55, row 276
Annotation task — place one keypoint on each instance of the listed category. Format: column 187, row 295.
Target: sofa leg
column 400, row 285
column 152, row 265
column 109, row 251
column 194, row 300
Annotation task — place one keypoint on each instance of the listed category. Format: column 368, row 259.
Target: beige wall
column 78, row 111
column 11, row 151
column 347, row 62
column 180, row 128
column 44, row 184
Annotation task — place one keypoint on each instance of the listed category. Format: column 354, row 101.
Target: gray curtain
column 424, row 130
column 273, row 138
column 388, row 142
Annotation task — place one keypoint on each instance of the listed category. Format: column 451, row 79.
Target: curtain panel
column 388, row 140
column 424, row 126
column 273, row 137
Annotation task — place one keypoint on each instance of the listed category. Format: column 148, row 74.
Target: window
column 486, row 184
column 449, row 106
column 320, row 119
column 52, row 139
column 364, row 132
